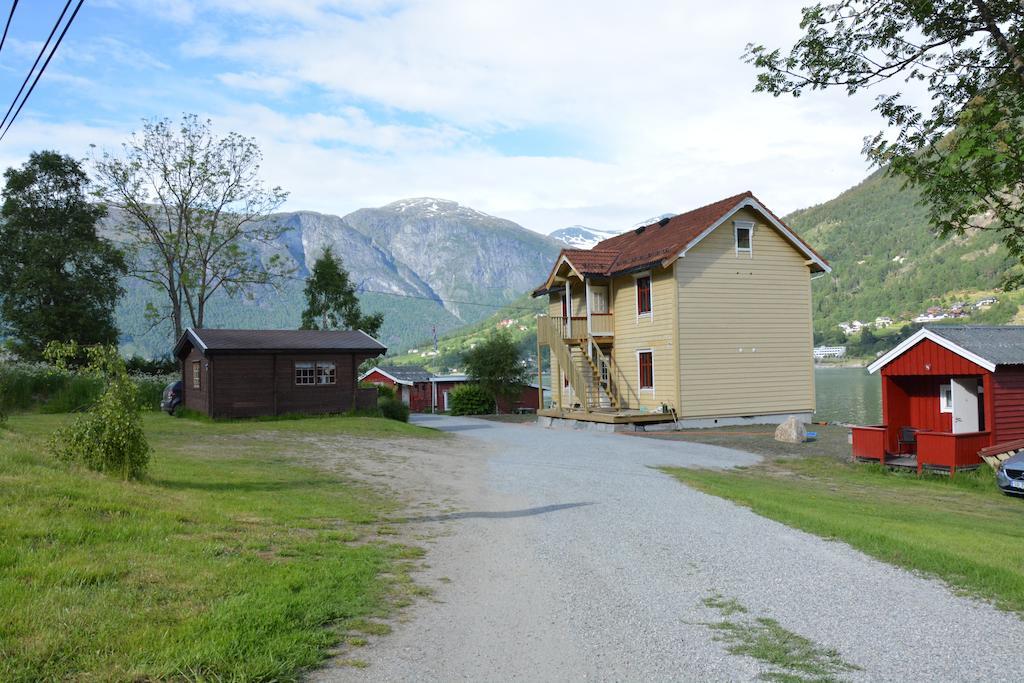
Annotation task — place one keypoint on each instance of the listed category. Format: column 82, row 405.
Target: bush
column 470, row 399
column 137, row 365
column 108, row 438
column 383, row 390
column 393, row 409
column 53, row 389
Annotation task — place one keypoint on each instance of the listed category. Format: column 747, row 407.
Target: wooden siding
column 244, row 386
column 928, row 358
column 417, row 396
column 656, row 332
column 1007, row 403
column 253, row 384
column 196, row 399
column 745, row 337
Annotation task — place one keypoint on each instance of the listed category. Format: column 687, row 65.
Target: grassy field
column 230, row 561
column 961, row 530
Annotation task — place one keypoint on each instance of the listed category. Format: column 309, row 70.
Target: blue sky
column 550, row 114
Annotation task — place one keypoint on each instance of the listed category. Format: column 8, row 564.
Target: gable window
column 305, row 372
column 196, row 375
column 744, row 232
column 945, row 398
column 325, row 372
column 643, row 295
column 645, row 363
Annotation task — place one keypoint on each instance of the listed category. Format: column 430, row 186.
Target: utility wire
column 8, row 24
column 45, row 64
column 360, row 290
column 42, row 51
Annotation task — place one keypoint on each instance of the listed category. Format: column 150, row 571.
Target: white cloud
column 409, row 97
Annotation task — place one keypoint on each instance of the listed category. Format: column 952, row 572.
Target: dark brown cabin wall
column 196, row 399
column 243, row 385
column 317, row 398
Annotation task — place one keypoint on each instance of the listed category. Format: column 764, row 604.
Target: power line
column 56, row 45
column 360, row 290
column 42, row 51
column 8, row 24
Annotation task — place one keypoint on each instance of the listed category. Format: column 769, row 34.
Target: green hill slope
column 887, row 261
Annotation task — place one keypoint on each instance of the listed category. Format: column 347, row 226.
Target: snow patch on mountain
column 580, row 236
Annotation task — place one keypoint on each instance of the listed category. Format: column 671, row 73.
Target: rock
column 791, row 431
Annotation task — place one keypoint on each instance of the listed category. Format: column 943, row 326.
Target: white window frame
column 197, row 375
column 649, row 315
column 639, row 377
column 305, row 364
column 946, row 398
column 743, row 225
column 333, row 372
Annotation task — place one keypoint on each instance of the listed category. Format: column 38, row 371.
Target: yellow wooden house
column 698, row 320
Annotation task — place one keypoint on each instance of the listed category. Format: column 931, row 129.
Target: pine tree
column 331, row 301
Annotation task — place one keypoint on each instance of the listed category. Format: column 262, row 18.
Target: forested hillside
column 887, row 261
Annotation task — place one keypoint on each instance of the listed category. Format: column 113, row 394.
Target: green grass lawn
column 229, row 561
column 961, row 530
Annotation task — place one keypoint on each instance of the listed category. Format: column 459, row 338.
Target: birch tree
column 193, row 210
column 965, row 150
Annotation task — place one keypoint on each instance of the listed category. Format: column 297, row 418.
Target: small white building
column 883, row 321
column 821, row 352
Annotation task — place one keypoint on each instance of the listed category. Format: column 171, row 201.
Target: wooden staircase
column 581, row 364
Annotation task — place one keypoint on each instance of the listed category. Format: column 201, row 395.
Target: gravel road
column 571, row 559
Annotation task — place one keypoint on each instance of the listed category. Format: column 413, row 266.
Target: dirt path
column 563, row 556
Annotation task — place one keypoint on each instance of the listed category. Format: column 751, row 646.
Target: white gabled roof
column 925, row 333
column 386, row 374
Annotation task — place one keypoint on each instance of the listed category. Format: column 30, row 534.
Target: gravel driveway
column 572, row 559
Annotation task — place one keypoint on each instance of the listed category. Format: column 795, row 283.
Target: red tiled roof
column 659, row 243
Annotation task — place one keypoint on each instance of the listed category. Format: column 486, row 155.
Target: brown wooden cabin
column 947, row 393
column 250, row 373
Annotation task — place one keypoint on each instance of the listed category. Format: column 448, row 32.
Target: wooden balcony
column 577, row 329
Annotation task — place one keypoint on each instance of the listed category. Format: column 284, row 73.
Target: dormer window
column 744, row 232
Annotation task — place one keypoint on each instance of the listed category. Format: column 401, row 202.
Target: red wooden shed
column 947, row 392
column 410, row 382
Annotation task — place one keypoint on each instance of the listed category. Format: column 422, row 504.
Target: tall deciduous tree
column 194, row 210
column 495, row 365
column 331, row 300
column 965, row 153
column 59, row 280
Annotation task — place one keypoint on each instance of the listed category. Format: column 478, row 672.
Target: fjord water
column 848, row 395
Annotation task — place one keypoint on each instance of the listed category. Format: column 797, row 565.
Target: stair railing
column 550, row 332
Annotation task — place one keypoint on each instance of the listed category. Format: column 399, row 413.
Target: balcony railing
column 602, row 324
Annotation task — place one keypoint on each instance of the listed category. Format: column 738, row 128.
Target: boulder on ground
column 791, row 431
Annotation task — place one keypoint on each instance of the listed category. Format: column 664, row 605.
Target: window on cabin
column 325, row 372
column 196, row 375
column 946, row 398
column 643, row 295
column 744, row 231
column 305, row 372
column 645, row 360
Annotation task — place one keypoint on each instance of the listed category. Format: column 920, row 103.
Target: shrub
column 383, row 390
column 57, row 389
column 393, row 409
column 108, row 438
column 470, row 399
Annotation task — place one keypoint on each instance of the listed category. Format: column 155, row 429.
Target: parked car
column 173, row 397
column 1010, row 475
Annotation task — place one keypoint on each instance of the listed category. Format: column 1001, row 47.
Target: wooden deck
column 607, row 416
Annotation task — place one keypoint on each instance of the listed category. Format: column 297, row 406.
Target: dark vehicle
column 1010, row 475
column 173, row 396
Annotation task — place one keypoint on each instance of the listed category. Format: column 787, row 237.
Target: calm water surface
column 848, row 395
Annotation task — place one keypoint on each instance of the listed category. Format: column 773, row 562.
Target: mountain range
column 430, row 265
column 435, row 267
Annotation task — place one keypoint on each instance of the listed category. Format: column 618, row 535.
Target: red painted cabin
column 412, row 384
column 958, row 388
